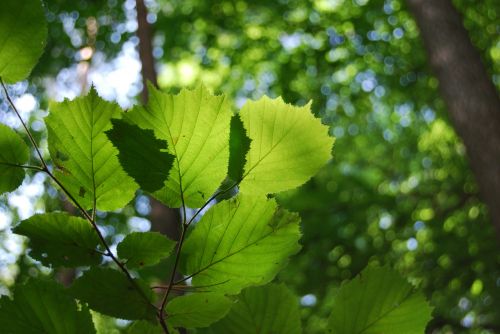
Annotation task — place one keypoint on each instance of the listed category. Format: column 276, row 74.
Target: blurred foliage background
column 398, row 190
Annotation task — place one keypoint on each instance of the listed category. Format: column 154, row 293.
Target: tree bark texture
column 145, row 48
column 471, row 98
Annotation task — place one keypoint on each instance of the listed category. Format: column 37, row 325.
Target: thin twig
column 187, row 287
column 182, row 280
column 24, row 124
column 220, row 192
column 94, row 210
column 161, row 313
column 174, row 287
column 22, row 166
column 101, row 237
column 176, row 263
column 181, row 289
column 102, row 253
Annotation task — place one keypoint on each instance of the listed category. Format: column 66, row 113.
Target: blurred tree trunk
column 145, row 49
column 163, row 219
column 472, row 100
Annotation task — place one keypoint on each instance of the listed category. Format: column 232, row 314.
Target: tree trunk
column 145, row 49
column 471, row 98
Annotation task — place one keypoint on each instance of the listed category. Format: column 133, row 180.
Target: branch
column 101, row 237
column 161, row 313
column 176, row 286
column 40, row 169
column 24, row 124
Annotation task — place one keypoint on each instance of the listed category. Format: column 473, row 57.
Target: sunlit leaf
column 377, row 301
column 197, row 310
column 58, row 239
column 144, row 249
column 23, row 33
column 196, row 126
column 85, row 159
column 43, row 307
column 13, row 151
column 268, row 309
column 240, row 242
column 104, row 324
column 289, row 145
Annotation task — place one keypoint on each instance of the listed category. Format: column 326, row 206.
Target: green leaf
column 144, row 327
column 197, row 310
column 377, row 301
column 86, row 162
column 144, row 249
column 13, row 151
column 240, row 242
column 142, row 155
column 239, row 144
column 289, row 145
column 23, row 32
column 196, row 126
column 58, row 239
column 108, row 291
column 43, row 307
column 269, row 309
column 104, row 324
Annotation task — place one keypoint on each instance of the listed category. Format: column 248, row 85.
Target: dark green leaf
column 197, row 310
column 269, row 309
column 144, row 327
column 144, row 249
column 43, row 307
column 23, row 33
column 239, row 144
column 110, row 292
column 141, row 154
column 379, row 300
column 13, row 151
column 58, row 239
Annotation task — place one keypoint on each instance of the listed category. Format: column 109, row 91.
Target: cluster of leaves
column 399, row 189
column 185, row 150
